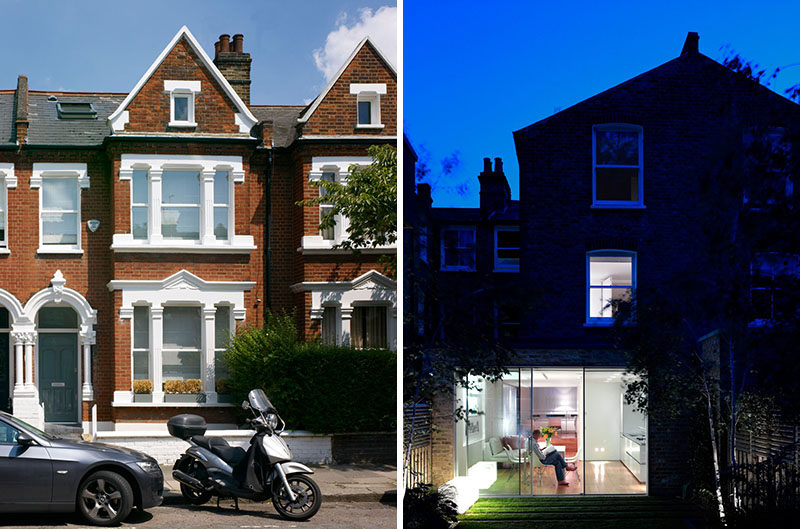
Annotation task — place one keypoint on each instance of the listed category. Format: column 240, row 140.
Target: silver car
column 40, row 472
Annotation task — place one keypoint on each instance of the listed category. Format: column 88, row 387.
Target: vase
column 547, row 441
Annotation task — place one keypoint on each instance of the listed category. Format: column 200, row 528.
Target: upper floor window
column 422, row 243
column 768, row 167
column 329, row 233
column 7, row 181
column 506, row 248
column 774, row 279
column 458, row 248
column 617, row 166
column 181, row 102
column 182, row 202
column 59, row 205
column 368, row 104
column 611, row 279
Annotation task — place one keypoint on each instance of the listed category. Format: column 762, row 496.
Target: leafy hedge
column 315, row 387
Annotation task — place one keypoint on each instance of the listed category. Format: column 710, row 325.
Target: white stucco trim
column 7, row 174
column 248, row 118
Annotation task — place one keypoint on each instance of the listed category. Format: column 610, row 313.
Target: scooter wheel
column 195, row 497
column 308, row 497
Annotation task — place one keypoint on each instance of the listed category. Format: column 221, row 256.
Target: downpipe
column 289, row 491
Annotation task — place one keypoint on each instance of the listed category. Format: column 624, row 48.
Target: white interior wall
column 602, row 420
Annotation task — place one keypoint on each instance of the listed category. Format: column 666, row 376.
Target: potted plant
column 549, row 432
column 142, row 391
column 223, row 386
column 189, row 390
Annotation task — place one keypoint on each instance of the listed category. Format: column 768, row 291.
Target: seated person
column 550, row 456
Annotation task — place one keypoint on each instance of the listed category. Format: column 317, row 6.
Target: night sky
column 474, row 72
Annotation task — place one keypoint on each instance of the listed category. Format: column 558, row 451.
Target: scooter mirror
column 245, row 405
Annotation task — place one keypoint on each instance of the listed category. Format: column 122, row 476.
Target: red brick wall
column 337, row 114
column 213, row 110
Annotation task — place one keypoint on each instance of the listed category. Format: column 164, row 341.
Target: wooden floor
column 598, row 477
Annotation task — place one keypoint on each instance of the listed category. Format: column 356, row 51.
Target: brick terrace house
column 610, row 203
column 138, row 230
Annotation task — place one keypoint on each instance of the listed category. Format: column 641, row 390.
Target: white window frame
column 502, row 264
column 7, row 181
column 135, row 349
column 139, row 204
column 340, row 165
column 201, row 351
column 371, row 93
column 474, row 249
column 207, row 166
column 618, row 204
column 76, row 171
column 186, row 89
column 607, row 321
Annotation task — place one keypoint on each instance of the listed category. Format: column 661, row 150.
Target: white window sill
column 62, row 250
column 124, row 242
column 377, row 126
column 4, row 251
column 618, row 205
column 186, row 124
column 116, row 404
column 606, row 322
column 315, row 244
column 507, row 269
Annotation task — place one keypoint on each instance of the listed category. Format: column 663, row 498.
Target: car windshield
column 258, row 399
column 25, row 426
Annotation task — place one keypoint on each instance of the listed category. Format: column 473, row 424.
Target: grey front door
column 58, row 376
column 5, row 373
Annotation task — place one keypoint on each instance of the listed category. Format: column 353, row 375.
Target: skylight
column 76, row 110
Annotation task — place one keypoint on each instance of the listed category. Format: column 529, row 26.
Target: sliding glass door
column 577, row 414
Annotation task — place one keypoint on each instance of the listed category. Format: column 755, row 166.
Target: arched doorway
column 58, row 367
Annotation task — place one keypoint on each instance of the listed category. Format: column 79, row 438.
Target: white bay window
column 182, row 203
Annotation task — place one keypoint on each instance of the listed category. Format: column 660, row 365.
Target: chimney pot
column 216, row 50
column 487, row 165
column 498, row 165
column 690, row 46
column 237, row 42
column 224, row 42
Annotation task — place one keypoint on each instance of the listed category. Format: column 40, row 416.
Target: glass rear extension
column 595, row 429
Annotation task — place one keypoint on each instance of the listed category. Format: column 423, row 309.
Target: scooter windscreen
column 258, row 400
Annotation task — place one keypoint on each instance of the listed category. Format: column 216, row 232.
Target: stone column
column 30, row 340
column 207, row 207
column 207, row 361
column 87, row 339
column 17, row 339
column 154, row 217
column 347, row 314
column 156, row 344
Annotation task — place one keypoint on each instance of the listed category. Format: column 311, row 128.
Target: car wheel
column 105, row 498
column 308, row 498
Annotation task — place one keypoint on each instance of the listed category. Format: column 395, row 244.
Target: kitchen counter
column 640, row 440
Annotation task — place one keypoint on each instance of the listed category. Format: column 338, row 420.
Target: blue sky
column 107, row 45
column 477, row 71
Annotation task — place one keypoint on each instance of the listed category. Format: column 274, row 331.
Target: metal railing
column 417, row 420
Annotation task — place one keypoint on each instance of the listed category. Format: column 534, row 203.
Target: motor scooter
column 211, row 467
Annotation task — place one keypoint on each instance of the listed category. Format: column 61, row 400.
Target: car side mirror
column 24, row 439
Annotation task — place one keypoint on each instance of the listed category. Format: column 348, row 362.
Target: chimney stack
column 234, row 64
column 495, row 192
column 690, row 45
column 424, row 194
column 21, row 110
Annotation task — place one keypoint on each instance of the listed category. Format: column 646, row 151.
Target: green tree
column 368, row 199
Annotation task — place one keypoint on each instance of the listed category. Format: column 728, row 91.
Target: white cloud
column 380, row 26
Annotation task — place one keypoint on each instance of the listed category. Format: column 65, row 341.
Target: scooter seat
column 232, row 455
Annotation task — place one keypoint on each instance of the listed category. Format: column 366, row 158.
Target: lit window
column 181, row 102
column 611, row 280
column 506, row 248
column 617, row 156
column 458, row 248
column 368, row 104
column 368, row 327
column 181, row 353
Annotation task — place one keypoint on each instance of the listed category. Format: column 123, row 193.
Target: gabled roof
column 247, row 117
column 335, row 78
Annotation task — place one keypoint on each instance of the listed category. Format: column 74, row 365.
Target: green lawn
column 581, row 513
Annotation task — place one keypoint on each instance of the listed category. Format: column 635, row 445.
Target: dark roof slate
column 284, row 121
column 7, row 119
column 46, row 129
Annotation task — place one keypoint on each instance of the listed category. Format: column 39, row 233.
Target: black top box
column 186, row 425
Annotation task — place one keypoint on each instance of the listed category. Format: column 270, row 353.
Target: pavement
column 338, row 483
